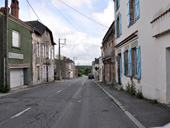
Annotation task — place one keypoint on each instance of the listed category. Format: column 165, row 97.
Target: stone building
column 108, row 55
column 42, row 53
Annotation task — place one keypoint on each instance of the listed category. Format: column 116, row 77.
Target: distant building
column 67, row 68
column 95, row 68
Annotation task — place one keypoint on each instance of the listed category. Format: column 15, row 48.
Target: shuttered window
column 137, row 11
column 120, row 71
column 138, row 56
column 115, row 29
column 123, row 59
column 128, row 12
column 133, row 12
column 120, row 25
column 130, row 62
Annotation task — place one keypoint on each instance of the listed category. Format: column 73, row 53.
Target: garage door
column 16, row 77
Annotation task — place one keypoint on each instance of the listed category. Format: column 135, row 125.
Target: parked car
column 91, row 76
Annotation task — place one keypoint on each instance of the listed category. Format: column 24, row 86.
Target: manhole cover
column 32, row 105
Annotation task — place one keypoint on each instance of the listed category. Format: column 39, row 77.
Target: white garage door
column 16, row 77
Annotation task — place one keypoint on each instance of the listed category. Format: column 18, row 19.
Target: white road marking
column 83, row 82
column 21, row 113
column 59, row 91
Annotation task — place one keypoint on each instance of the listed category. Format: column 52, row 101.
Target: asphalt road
column 77, row 103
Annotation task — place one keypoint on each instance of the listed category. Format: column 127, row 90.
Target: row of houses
column 68, row 70
column 31, row 54
column 136, row 48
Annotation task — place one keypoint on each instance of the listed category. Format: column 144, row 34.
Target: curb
column 20, row 89
column 131, row 117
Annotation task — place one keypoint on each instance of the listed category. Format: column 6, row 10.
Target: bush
column 139, row 94
column 128, row 88
column 5, row 88
column 155, row 101
column 132, row 89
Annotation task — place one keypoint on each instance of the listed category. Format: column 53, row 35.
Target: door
column 16, row 77
column 119, row 70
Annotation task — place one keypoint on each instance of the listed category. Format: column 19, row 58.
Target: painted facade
column 143, row 47
column 19, row 52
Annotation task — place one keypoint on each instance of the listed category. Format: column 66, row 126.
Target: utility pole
column 6, row 46
column 59, row 60
column 60, row 78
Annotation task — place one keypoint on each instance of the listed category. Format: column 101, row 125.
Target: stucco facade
column 150, row 32
column 19, row 56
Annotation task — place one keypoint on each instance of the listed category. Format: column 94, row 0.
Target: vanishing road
column 77, row 103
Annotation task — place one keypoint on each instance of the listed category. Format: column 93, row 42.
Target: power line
column 67, row 20
column 64, row 16
column 33, row 10
column 82, row 14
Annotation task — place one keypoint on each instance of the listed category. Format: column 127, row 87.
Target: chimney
column 15, row 8
column 3, row 10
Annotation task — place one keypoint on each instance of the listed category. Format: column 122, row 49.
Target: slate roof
column 40, row 29
column 69, row 60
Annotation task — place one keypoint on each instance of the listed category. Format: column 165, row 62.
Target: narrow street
column 77, row 103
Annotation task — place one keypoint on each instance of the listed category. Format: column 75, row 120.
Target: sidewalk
column 141, row 112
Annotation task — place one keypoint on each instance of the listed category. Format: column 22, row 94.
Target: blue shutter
column 123, row 59
column 120, row 24
column 118, row 3
column 115, row 29
column 130, row 62
column 128, row 13
column 120, row 71
column 137, row 11
column 138, row 57
column 115, row 5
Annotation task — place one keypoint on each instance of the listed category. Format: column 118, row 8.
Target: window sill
column 17, row 47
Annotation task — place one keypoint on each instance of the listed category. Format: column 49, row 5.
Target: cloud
column 107, row 16
column 79, row 44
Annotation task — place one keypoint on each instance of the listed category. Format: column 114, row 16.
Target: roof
column 41, row 28
column 69, row 60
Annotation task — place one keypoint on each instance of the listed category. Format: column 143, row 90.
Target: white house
column 142, row 31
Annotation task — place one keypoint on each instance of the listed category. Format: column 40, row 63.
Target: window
column 117, row 5
column 52, row 54
column 38, row 49
column 133, row 11
column 38, row 72
column 118, row 26
column 134, row 63
column 49, row 53
column 44, row 51
column 15, row 39
column 126, row 62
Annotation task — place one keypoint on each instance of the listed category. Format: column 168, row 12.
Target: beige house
column 143, row 46
column 42, row 53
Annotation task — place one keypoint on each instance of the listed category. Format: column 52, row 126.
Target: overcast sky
column 83, row 36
